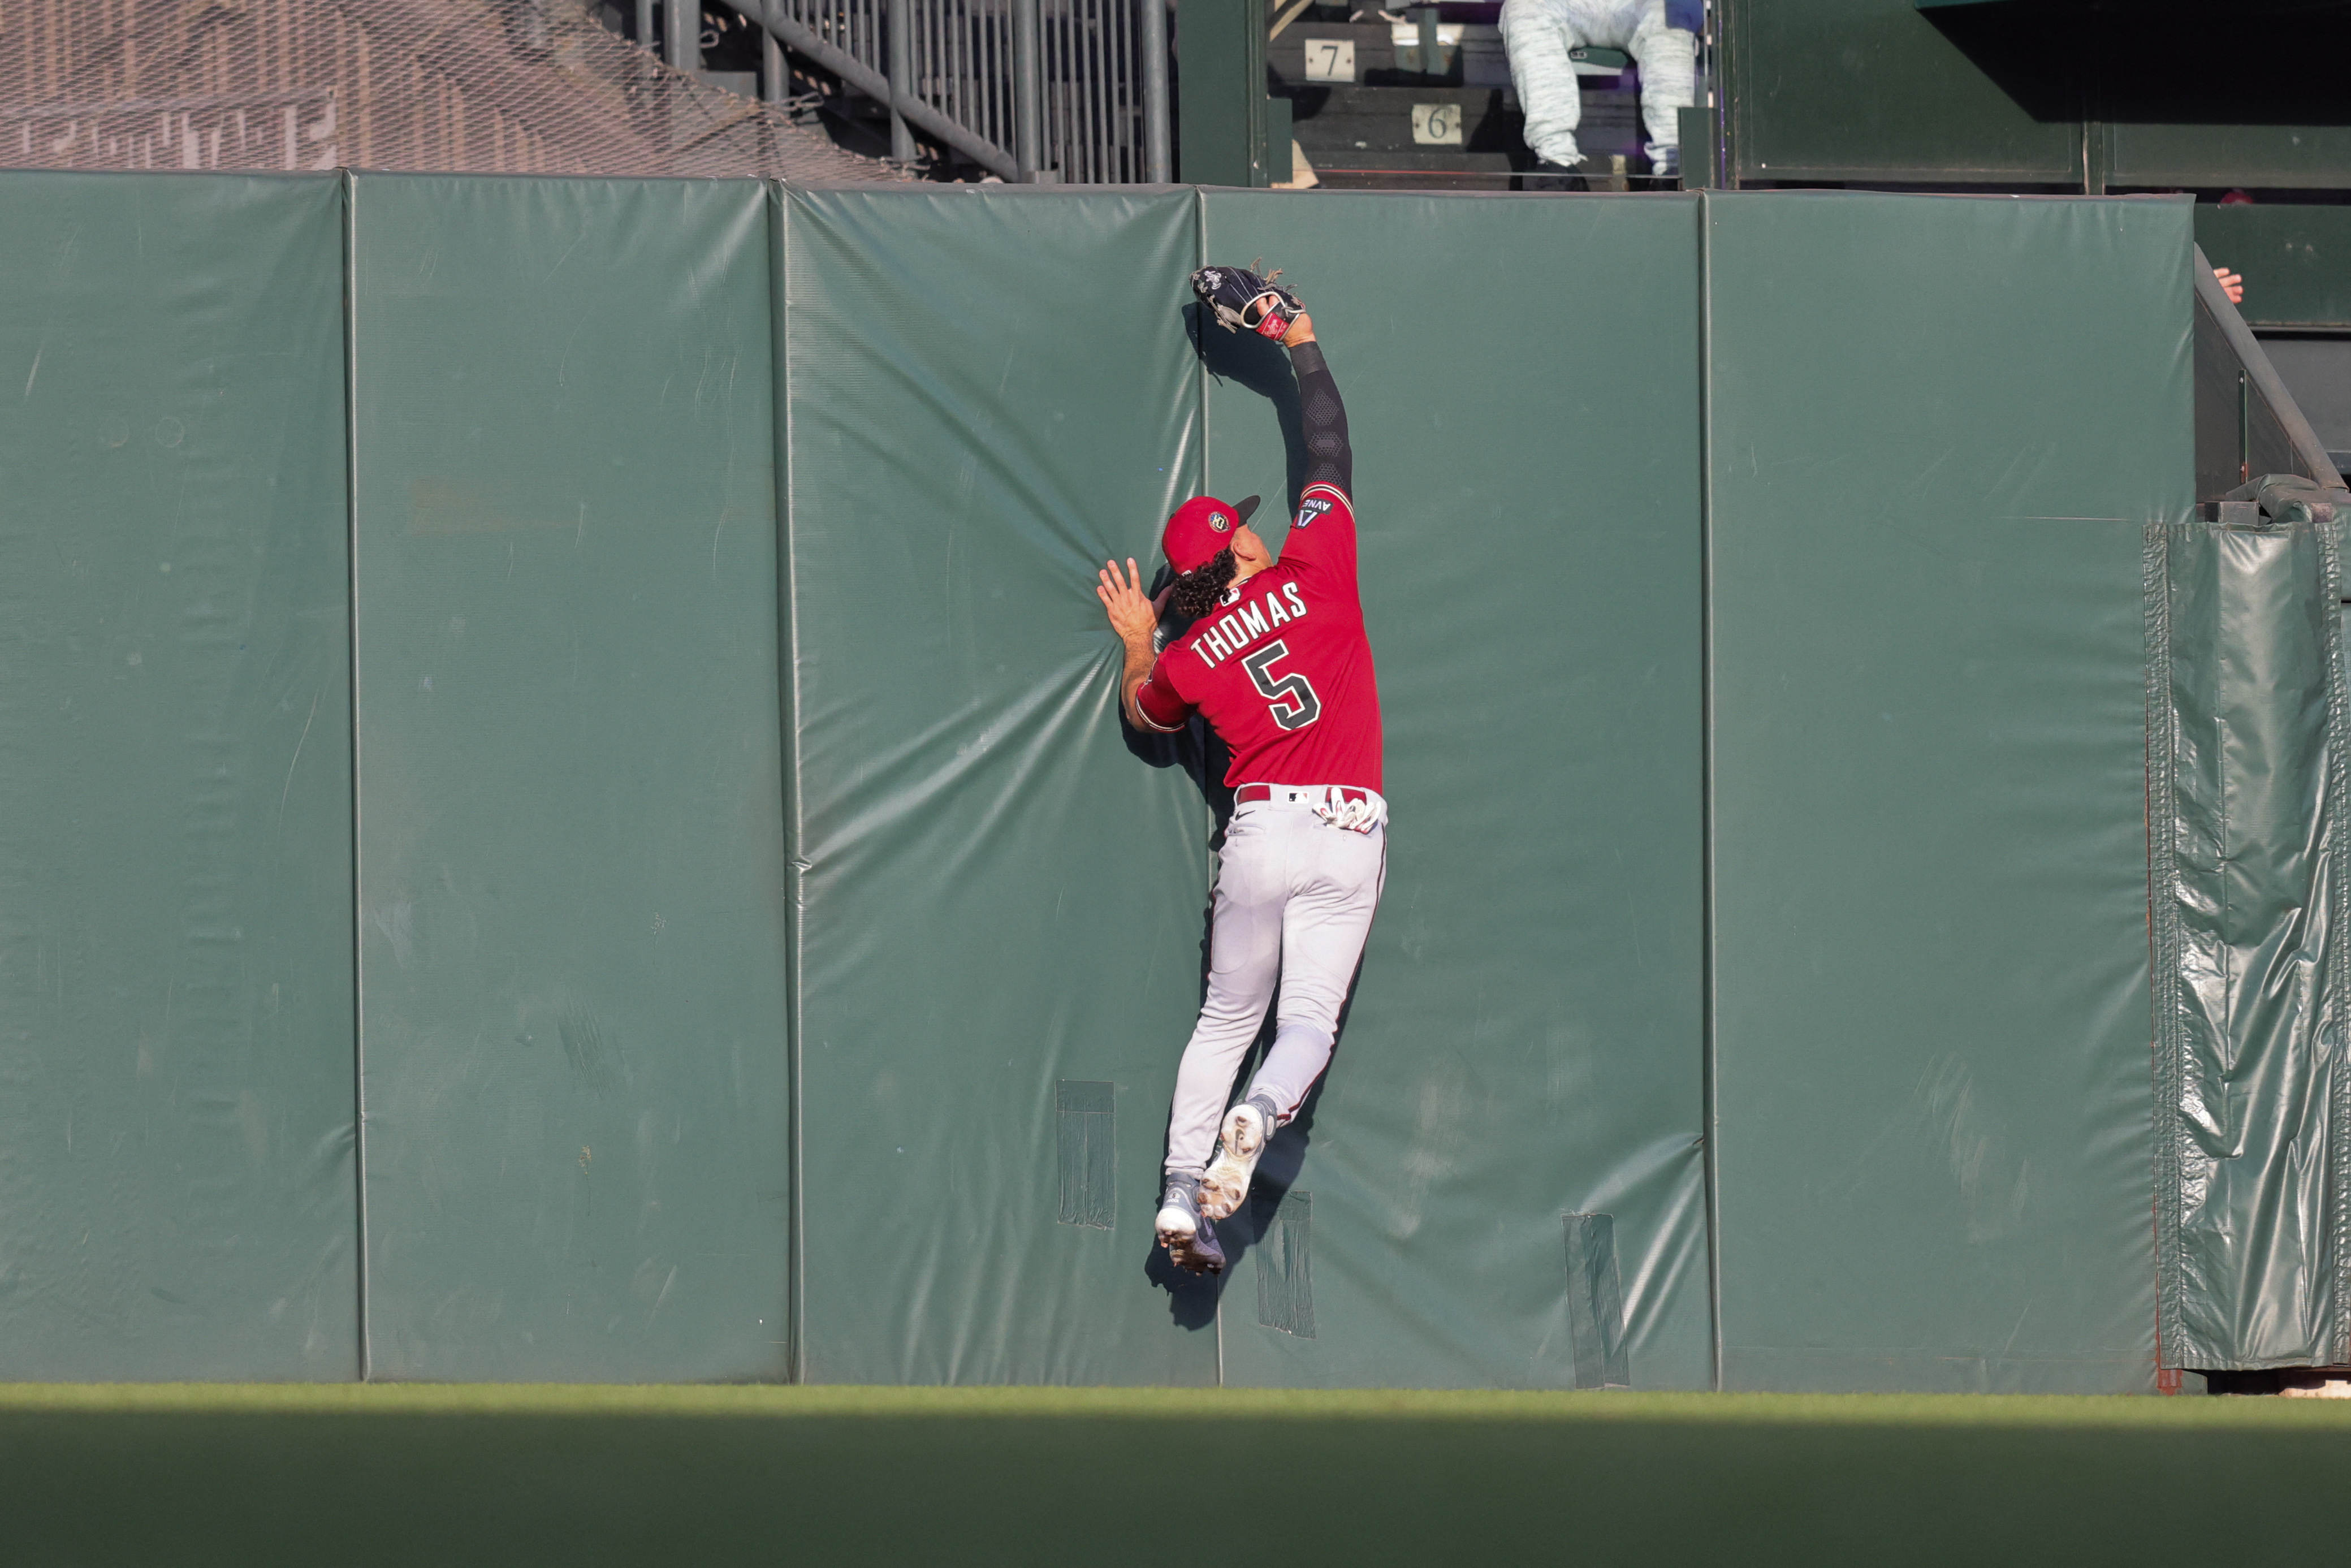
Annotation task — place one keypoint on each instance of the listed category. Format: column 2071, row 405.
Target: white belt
column 1341, row 805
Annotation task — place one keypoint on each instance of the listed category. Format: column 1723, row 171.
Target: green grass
column 579, row 1475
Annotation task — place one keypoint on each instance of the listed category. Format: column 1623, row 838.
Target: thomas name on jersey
column 1237, row 628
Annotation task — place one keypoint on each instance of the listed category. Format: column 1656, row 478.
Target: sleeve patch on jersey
column 1311, row 509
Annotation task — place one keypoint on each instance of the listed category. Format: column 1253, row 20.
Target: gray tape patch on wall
column 1285, row 1280
column 1085, row 1126
column 1595, row 1304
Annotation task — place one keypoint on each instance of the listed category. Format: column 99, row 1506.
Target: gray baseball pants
column 1293, row 901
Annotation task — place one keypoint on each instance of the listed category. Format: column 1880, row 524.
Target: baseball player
column 1276, row 661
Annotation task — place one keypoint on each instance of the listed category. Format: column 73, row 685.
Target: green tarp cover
column 2247, row 763
column 2246, row 795
column 176, row 1187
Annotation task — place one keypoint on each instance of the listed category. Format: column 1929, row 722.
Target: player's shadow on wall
column 1192, row 1298
column 1262, row 366
column 1285, row 1156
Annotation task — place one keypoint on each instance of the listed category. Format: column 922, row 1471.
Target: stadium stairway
column 1422, row 99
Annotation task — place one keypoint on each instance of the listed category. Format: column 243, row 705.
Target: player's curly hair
column 1198, row 590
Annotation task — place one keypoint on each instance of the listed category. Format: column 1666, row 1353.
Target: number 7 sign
column 1329, row 59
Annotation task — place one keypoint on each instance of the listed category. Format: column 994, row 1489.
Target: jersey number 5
column 1291, row 698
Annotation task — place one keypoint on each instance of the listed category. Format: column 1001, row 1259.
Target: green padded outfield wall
column 653, row 816
column 1000, row 908
column 176, row 1185
column 571, row 871
column 1525, row 1044
column 1930, row 875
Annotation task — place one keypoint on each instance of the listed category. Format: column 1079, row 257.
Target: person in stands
column 1660, row 35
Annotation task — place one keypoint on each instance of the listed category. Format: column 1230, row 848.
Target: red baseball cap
column 1200, row 527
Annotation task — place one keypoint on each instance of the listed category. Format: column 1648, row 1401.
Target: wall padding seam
column 349, row 188
column 1709, row 1123
column 788, row 735
column 2331, row 1037
column 2163, row 936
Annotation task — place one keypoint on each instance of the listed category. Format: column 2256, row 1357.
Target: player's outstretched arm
column 1330, row 459
column 1134, row 618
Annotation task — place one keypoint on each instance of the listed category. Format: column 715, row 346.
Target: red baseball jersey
column 1281, row 668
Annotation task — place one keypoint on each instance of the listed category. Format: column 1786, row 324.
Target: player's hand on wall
column 2232, row 282
column 1132, row 616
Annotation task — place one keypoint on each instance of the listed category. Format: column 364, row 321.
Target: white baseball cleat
column 1189, row 1236
column 1249, row 1126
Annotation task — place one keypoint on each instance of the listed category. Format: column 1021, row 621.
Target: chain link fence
column 449, row 86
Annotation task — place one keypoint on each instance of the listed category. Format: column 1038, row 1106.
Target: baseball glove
column 1241, row 298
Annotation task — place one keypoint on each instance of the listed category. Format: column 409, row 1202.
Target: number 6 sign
column 1436, row 124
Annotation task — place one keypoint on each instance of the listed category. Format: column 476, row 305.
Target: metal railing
column 1044, row 91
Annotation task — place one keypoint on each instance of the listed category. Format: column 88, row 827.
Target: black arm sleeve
column 1329, row 459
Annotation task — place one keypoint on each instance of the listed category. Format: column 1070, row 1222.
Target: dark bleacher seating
column 1368, row 110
